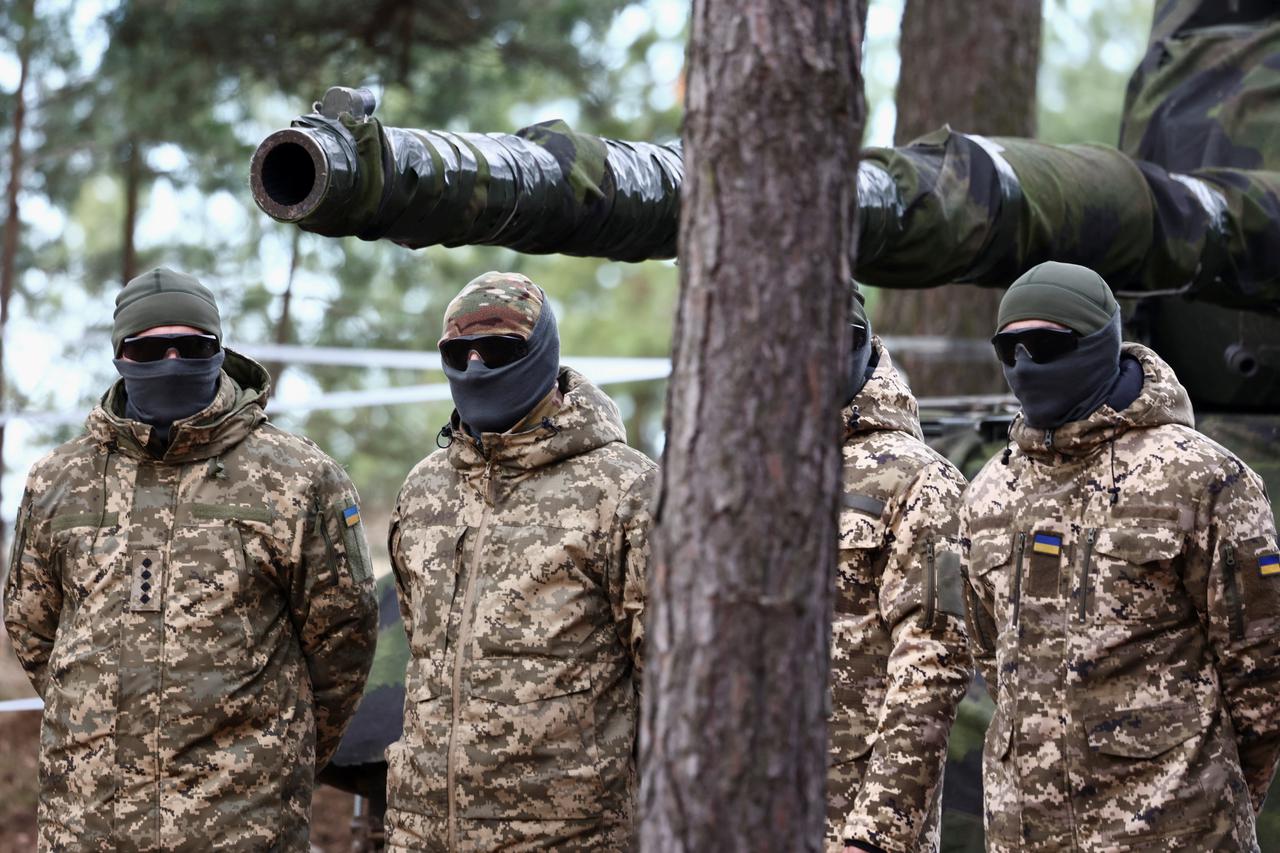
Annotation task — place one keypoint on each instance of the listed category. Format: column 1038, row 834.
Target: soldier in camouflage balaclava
column 519, row 552
column 190, row 594
column 899, row 660
column 1124, row 597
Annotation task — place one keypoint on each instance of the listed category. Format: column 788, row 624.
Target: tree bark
column 975, row 71
column 733, row 736
column 13, row 220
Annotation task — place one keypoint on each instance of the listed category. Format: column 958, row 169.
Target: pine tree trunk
column 976, row 71
column 132, row 189
column 733, row 739
column 13, row 221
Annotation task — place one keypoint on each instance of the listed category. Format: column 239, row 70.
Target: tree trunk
column 132, row 188
column 977, row 73
column 13, row 221
column 284, row 324
column 733, row 738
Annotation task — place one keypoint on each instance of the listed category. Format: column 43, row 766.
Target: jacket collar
column 1162, row 401
column 235, row 411
column 586, row 419
column 884, row 403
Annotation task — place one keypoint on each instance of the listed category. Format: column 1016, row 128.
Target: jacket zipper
column 973, row 612
column 1017, row 578
column 1235, row 611
column 930, row 585
column 464, row 638
column 1086, row 565
column 1048, row 439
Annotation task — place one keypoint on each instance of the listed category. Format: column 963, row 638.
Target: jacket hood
column 586, row 420
column 884, row 403
column 235, row 411
column 1162, row 401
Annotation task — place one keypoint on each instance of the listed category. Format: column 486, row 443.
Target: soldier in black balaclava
column 899, row 658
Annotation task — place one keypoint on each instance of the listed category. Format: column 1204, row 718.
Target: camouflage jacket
column 1124, row 592
column 900, row 664
column 199, row 626
column 520, row 563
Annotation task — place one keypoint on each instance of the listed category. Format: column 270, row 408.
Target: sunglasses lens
column 494, row 351
column 1042, row 345
column 156, row 347
column 454, row 354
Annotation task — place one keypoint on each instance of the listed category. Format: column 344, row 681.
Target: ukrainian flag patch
column 351, row 515
column 1269, row 564
column 1047, row 543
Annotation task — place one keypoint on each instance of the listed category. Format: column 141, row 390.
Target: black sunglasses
column 1042, row 345
column 859, row 335
column 156, row 347
column 494, row 350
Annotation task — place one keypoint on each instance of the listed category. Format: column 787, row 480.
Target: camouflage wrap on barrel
column 1124, row 603
column 199, row 626
column 520, row 562
column 899, row 659
column 543, row 189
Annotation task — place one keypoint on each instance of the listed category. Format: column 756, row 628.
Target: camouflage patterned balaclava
column 494, row 399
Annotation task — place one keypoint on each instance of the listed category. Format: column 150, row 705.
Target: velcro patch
column 1047, row 543
column 351, row 515
column 1269, row 564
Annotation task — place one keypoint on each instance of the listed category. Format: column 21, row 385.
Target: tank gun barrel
column 949, row 207
column 339, row 172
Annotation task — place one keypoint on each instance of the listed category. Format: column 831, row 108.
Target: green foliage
column 193, row 86
column 1089, row 50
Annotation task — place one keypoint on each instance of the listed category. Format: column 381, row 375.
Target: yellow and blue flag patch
column 1047, row 543
column 1269, row 564
column 351, row 515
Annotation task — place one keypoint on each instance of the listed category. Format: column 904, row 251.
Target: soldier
column 189, row 593
column 900, row 664
column 520, row 551
column 1124, row 594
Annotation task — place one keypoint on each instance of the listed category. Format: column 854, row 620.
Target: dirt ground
column 19, row 742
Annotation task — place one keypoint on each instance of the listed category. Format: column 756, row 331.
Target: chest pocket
column 992, row 566
column 862, row 539
column 432, row 556
column 539, row 592
column 87, row 555
column 1130, row 573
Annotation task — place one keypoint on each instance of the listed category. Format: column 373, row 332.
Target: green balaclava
column 1075, row 296
column 163, row 297
column 162, row 392
column 1072, row 387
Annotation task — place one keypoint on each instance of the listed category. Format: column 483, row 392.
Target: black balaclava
column 161, row 392
column 859, row 367
column 494, row 399
column 1072, row 387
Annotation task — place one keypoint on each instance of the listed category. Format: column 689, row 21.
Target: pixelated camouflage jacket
column 1124, row 595
column 199, row 626
column 900, row 664
column 520, row 561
